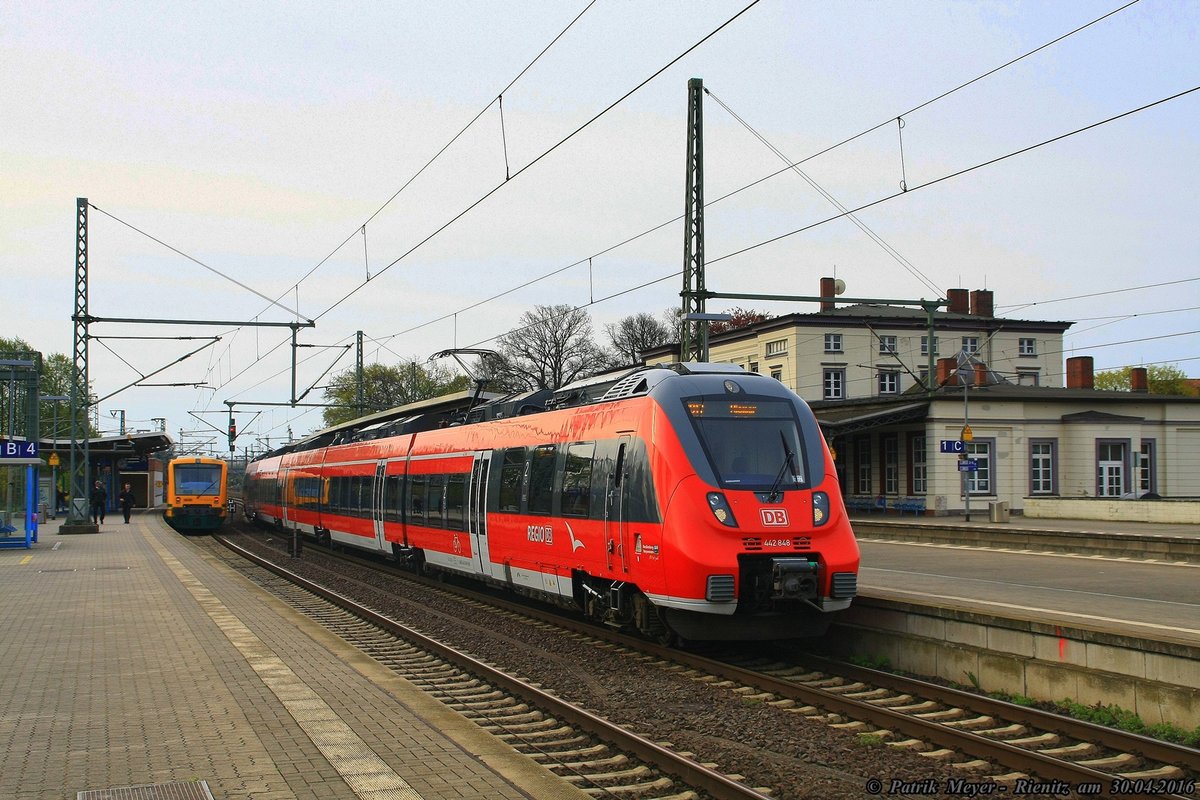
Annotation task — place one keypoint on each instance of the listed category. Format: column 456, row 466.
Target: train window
column 577, row 480
column 416, row 499
column 391, row 498
column 511, row 472
column 362, row 496
column 434, row 497
column 752, row 443
column 541, row 479
column 455, row 494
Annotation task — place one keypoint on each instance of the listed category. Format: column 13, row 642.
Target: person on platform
column 126, row 500
column 60, row 501
column 99, row 501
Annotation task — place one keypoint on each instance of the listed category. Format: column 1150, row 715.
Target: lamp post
column 699, row 316
column 56, row 399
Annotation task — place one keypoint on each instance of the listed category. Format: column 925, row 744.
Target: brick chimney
column 1079, row 373
column 1139, row 380
column 981, row 372
column 960, row 301
column 827, row 291
column 947, row 371
column 981, row 303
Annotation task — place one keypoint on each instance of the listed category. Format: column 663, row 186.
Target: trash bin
column 998, row 512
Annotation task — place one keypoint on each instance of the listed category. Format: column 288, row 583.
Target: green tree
column 1162, row 379
column 387, row 387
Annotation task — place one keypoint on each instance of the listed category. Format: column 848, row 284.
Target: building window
column 980, row 481
column 1028, row 377
column 970, row 344
column 778, row 347
column 754, row 366
column 890, row 445
column 835, row 383
column 887, row 345
column 1027, row 347
column 833, row 343
column 889, row 383
column 1145, row 467
column 1041, row 466
column 862, row 465
column 920, row 470
column 1110, row 468
column 925, row 345
column 923, row 372
column 777, row 373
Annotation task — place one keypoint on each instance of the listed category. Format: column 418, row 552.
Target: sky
column 258, row 161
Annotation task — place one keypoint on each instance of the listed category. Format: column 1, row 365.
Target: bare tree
column 550, row 348
column 631, row 336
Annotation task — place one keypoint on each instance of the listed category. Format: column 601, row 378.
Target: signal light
column 232, row 432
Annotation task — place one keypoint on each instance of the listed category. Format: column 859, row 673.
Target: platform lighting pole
column 966, row 440
column 693, row 341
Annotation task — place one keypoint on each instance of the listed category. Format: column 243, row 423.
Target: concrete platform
column 131, row 659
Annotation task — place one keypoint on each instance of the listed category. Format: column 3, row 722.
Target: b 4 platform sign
column 17, row 449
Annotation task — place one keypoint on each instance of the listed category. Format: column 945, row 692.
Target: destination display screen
column 721, row 408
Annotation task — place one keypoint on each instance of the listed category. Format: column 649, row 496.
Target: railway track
column 599, row 757
column 985, row 740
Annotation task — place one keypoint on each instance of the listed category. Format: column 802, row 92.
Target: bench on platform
column 860, row 503
column 914, row 504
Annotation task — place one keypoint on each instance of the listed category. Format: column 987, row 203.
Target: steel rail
column 694, row 774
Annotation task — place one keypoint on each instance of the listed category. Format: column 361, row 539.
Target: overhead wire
column 767, row 177
column 887, row 198
column 543, row 155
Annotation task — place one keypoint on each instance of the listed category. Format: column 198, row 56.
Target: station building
column 1044, row 442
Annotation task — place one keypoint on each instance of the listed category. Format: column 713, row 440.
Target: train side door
column 477, row 512
column 615, row 510
column 377, row 504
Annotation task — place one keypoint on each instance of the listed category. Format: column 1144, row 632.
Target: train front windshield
column 751, row 443
column 197, row 479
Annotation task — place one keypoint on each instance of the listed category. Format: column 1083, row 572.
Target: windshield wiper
column 788, row 464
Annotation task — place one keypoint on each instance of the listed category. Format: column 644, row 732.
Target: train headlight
column 720, row 509
column 820, row 505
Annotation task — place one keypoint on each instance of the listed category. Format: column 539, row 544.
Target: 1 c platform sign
column 15, row 449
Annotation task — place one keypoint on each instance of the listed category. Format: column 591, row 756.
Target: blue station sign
column 10, row 448
column 953, row 446
column 968, row 465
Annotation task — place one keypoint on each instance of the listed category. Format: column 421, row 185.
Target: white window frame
column 833, row 343
column 970, row 345
column 889, row 382
column 778, row 347
column 1042, row 457
column 887, row 345
column 920, row 465
column 833, row 383
column 982, row 481
column 1027, row 347
column 925, row 345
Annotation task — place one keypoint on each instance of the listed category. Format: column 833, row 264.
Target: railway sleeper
column 633, row 789
column 598, row 763
column 1079, row 749
column 1037, row 739
column 1112, row 762
column 583, row 752
column 619, row 777
column 1165, row 772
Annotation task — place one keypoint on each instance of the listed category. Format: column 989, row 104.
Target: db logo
column 774, row 517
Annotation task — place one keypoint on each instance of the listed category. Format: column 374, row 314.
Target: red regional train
column 693, row 502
